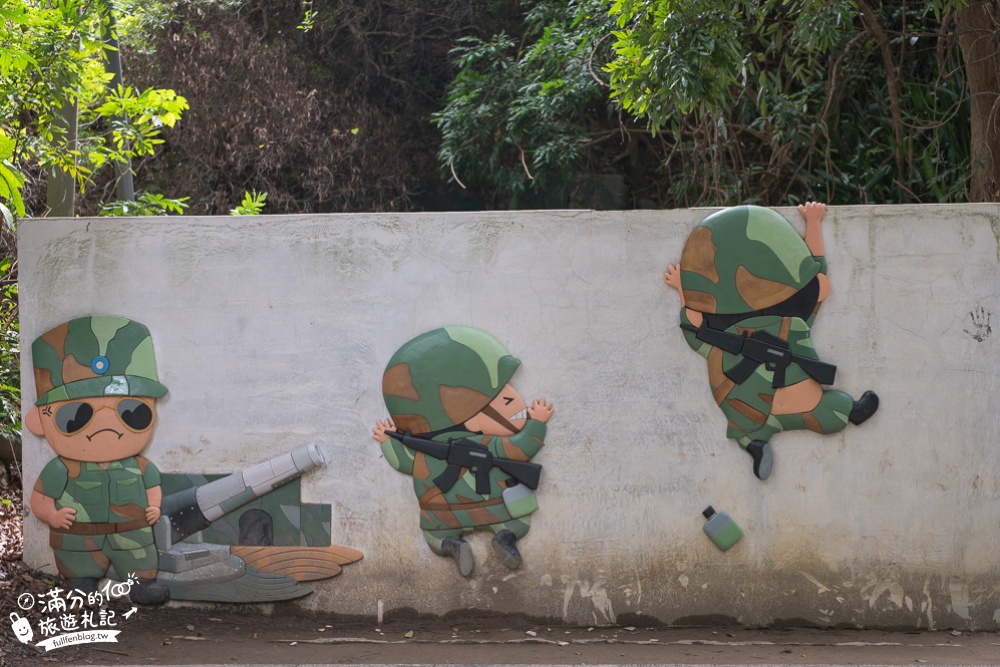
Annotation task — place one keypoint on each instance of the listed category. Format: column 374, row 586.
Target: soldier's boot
column 84, row 586
column 460, row 550
column 505, row 547
column 149, row 592
column 863, row 408
column 763, row 458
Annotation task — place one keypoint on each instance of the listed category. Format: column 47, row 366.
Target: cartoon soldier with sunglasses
column 97, row 389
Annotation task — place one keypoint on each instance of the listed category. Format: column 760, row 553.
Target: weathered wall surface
column 272, row 332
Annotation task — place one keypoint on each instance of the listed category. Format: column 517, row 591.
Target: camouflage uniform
column 431, row 386
column 106, row 501
column 95, row 356
column 745, row 261
column 461, row 510
column 84, row 358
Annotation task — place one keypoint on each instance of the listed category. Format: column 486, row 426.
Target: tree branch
column 891, row 75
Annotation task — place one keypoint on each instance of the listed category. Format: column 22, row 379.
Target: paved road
column 509, row 647
column 231, row 635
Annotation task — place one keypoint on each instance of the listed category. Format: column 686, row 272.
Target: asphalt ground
column 230, row 635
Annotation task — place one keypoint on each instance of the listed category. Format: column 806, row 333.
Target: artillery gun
column 197, row 570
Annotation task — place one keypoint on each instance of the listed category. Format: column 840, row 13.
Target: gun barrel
column 195, row 509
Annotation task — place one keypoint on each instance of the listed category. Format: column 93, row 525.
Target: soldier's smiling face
column 505, row 415
column 95, row 430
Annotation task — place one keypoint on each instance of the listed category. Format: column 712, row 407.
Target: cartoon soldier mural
column 97, row 388
column 749, row 289
column 466, row 436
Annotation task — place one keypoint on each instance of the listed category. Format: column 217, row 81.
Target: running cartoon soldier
column 466, row 436
column 97, row 389
column 749, row 289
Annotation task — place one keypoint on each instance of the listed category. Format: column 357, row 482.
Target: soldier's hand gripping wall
column 750, row 288
column 466, row 436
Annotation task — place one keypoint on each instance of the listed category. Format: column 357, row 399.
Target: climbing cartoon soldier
column 749, row 289
column 97, row 389
column 467, row 437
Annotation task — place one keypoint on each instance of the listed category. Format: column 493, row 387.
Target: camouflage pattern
column 101, row 496
column 747, row 405
column 461, row 510
column 738, row 261
column 292, row 522
column 95, row 356
column 443, row 377
column 437, row 381
column 744, row 259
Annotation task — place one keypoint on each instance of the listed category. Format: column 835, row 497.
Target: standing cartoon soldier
column 97, row 389
column 750, row 289
column 466, row 436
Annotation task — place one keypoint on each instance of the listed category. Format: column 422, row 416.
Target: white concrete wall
column 272, row 332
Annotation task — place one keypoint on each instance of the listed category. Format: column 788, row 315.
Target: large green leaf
column 11, row 183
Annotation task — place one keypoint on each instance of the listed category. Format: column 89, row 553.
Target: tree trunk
column 979, row 37
column 61, row 186
column 113, row 66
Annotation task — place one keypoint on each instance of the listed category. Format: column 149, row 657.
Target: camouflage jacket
column 793, row 330
column 438, row 506
column 116, row 494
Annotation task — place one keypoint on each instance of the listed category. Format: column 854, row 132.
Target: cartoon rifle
column 465, row 453
column 761, row 348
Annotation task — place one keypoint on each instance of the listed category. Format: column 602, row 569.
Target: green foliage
column 51, row 62
column 10, row 364
column 678, row 57
column 517, row 110
column 252, row 204
column 780, row 100
column 308, row 17
column 768, row 102
column 11, row 180
column 146, row 203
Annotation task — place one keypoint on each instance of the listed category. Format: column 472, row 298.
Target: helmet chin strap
column 492, row 413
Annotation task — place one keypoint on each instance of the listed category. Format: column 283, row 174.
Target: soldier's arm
column 521, row 446
column 49, row 486
column 45, row 509
column 398, row 456
column 698, row 346
column 154, row 494
column 813, row 213
column 154, row 497
column 672, row 278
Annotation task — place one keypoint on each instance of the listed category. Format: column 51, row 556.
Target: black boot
column 82, row 586
column 763, row 458
column 864, row 408
column 149, row 592
column 460, row 550
column 505, row 547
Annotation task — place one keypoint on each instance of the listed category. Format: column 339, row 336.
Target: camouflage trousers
column 89, row 557
column 517, row 526
column 750, row 418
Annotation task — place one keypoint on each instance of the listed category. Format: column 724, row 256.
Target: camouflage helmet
column 444, row 377
column 743, row 259
column 95, row 356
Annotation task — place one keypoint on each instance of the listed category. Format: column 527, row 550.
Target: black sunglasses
column 72, row 417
